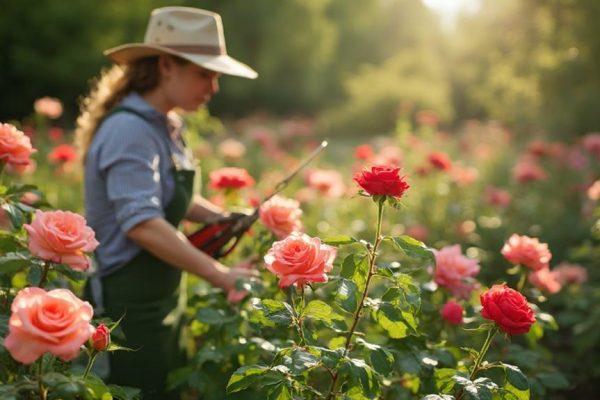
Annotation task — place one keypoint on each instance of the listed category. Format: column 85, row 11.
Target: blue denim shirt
column 128, row 178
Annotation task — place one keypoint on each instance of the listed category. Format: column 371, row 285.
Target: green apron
column 152, row 296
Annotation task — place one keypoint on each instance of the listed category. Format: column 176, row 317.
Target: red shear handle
column 220, row 238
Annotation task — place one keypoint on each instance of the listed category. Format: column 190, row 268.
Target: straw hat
column 190, row 33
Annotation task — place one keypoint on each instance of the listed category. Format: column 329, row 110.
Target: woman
column 138, row 187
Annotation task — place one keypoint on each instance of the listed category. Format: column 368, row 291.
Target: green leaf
column 125, row 393
column 437, row 397
column 15, row 261
column 355, row 267
column 318, row 309
column 35, row 275
column 245, row 377
column 69, row 272
column 553, row 380
column 393, row 314
column 271, row 313
column 19, row 188
column 360, row 372
column 516, row 382
column 480, row 389
column 444, row 381
column 280, row 391
column 214, row 316
column 381, row 358
column 299, row 360
column 413, row 248
column 395, row 328
column 548, row 320
column 516, row 377
column 339, row 240
column 16, row 216
column 347, row 295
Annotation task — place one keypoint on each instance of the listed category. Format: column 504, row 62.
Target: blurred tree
column 530, row 64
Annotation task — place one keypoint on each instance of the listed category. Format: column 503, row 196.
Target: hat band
column 196, row 49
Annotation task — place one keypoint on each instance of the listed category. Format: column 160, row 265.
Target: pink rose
column 100, row 339
column 452, row 312
column 545, row 280
column 61, row 237
column 48, row 106
column 570, row 273
column 232, row 149
column 527, row 251
column 15, row 146
column 55, row 321
column 455, row 272
column 299, row 259
column 281, row 215
column 327, row 181
column 508, row 308
column 528, row 170
column 497, row 197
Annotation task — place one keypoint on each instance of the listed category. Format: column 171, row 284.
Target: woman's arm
column 162, row 240
column 203, row 211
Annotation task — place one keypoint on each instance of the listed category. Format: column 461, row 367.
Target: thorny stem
column 91, row 358
column 44, row 274
column 42, row 391
column 358, row 312
column 486, row 345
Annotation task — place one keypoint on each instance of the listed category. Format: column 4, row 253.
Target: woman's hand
column 244, row 269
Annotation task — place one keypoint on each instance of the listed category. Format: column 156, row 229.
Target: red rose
column 440, row 161
column 382, row 180
column 452, row 312
column 100, row 339
column 230, row 178
column 508, row 308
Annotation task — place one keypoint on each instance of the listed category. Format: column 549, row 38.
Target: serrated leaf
column 280, row 391
column 15, row 215
column 443, row 379
column 347, row 295
column 271, row 313
column 318, row 309
column 413, row 248
column 69, row 272
column 364, row 375
column 396, row 329
column 15, row 261
column 548, row 320
column 245, row 377
column 299, row 360
column 355, row 267
column 516, row 377
column 339, row 240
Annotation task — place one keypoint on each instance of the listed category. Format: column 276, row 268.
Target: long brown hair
column 108, row 90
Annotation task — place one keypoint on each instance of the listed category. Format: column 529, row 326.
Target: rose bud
column 100, row 339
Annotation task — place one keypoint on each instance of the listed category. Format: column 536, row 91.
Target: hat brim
column 220, row 63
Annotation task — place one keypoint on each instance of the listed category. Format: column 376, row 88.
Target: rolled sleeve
column 130, row 164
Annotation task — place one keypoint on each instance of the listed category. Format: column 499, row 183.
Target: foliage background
column 529, row 63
